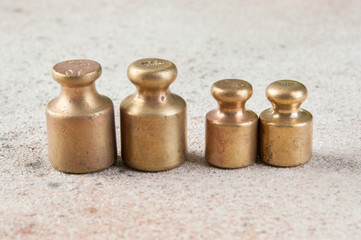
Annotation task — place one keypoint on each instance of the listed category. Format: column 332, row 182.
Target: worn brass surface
column 80, row 122
column 153, row 120
column 231, row 130
column 286, row 129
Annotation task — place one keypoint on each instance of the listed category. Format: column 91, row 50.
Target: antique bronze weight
column 231, row 130
column 286, row 129
column 80, row 122
column 153, row 120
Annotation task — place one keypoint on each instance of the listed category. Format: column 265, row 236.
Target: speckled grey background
column 315, row 42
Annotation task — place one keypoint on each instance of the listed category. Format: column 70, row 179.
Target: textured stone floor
column 315, row 42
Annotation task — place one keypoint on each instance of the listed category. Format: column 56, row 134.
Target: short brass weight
column 286, row 129
column 80, row 122
column 231, row 130
column 153, row 120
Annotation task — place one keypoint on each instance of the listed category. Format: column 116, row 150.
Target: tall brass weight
column 80, row 122
column 153, row 120
column 286, row 129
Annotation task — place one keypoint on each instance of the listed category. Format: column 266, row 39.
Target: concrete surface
column 315, row 42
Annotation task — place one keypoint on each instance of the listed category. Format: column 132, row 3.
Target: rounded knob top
column 232, row 91
column 286, row 92
column 76, row 72
column 152, row 73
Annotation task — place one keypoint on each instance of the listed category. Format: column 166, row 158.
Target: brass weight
column 231, row 130
column 80, row 122
column 286, row 129
column 153, row 120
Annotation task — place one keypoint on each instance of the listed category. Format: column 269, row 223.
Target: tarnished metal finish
column 80, row 122
column 153, row 120
column 231, row 130
column 286, row 129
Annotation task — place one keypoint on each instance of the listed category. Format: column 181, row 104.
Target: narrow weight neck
column 234, row 107
column 161, row 95
column 86, row 94
column 286, row 108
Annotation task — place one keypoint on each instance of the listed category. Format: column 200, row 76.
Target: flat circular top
column 152, row 73
column 286, row 92
column 232, row 90
column 76, row 72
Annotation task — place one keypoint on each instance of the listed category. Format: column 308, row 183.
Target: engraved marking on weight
column 231, row 85
column 152, row 63
column 69, row 72
column 76, row 67
column 287, row 83
column 78, row 62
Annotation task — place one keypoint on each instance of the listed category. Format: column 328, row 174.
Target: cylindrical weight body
column 153, row 133
column 286, row 141
column 81, row 143
column 231, row 145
